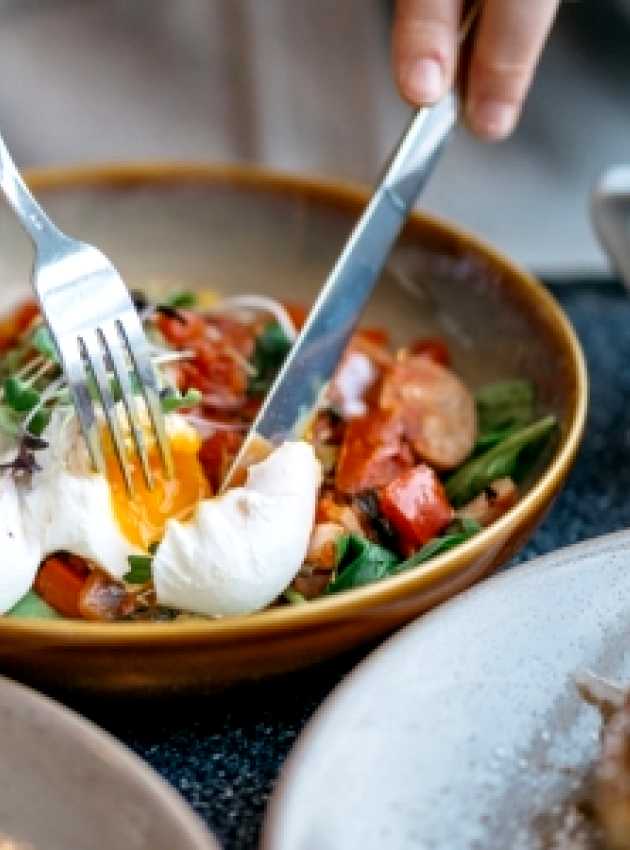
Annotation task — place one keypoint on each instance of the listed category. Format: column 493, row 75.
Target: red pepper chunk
column 416, row 505
column 372, row 452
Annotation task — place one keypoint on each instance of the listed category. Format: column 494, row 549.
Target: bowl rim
column 344, row 606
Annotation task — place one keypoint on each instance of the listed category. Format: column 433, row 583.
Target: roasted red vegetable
column 416, row 505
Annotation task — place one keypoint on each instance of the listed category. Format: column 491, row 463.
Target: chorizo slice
column 438, row 411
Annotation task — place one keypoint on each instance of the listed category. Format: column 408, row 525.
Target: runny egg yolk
column 142, row 517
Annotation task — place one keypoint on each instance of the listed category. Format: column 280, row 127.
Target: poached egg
column 233, row 554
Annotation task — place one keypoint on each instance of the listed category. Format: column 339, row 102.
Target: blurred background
column 306, row 86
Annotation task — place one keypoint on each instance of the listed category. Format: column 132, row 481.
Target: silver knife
column 333, row 318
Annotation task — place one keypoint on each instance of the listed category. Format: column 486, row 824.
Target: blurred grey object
column 611, row 217
column 276, row 83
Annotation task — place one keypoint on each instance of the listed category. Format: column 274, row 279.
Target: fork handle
column 30, row 215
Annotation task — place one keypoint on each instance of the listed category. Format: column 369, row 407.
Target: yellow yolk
column 142, row 519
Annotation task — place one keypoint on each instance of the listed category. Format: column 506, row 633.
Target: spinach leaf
column 33, row 606
column 20, row 395
column 359, row 562
column 460, row 531
column 139, row 569
column 502, row 408
column 39, row 422
column 272, row 346
column 499, row 461
column 505, row 403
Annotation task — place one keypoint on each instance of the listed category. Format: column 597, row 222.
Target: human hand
column 506, row 49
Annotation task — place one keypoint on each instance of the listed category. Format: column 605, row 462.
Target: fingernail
column 424, row 80
column 493, row 118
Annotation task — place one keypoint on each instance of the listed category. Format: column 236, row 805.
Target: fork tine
column 93, row 354
column 111, row 341
column 72, row 363
column 133, row 335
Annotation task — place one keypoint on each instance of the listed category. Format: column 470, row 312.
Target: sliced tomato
column 372, row 452
column 60, row 581
column 432, row 347
column 416, row 505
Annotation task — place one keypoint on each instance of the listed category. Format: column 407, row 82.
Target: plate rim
column 119, row 757
column 573, row 553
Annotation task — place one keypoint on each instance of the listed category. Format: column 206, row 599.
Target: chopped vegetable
column 182, row 298
column 59, row 583
column 139, row 569
column 360, row 562
column 42, row 341
column 503, row 407
column 500, row 461
column 20, row 395
column 174, row 400
column 272, row 346
column 293, row 596
column 10, row 421
column 372, row 453
column 434, row 348
column 33, row 606
column 460, row 531
column 180, row 327
column 103, row 599
column 416, row 505
column 492, row 502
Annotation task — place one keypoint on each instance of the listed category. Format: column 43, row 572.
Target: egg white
column 242, row 549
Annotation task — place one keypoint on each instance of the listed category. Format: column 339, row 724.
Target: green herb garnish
column 174, row 400
column 181, row 299
column 139, row 569
column 498, row 462
column 20, row 395
column 272, row 346
column 32, row 606
column 42, row 341
column 360, row 562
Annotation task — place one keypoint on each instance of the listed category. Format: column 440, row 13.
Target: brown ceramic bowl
column 238, row 230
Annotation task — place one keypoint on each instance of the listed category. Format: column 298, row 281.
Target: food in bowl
column 398, row 463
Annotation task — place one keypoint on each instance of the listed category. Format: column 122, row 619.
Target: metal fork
column 95, row 327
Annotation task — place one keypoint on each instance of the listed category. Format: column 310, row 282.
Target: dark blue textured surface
column 224, row 753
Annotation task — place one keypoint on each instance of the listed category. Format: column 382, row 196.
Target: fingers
column 425, row 47
column 508, row 43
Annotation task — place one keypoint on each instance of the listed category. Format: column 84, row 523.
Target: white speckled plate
column 465, row 730
column 66, row 785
